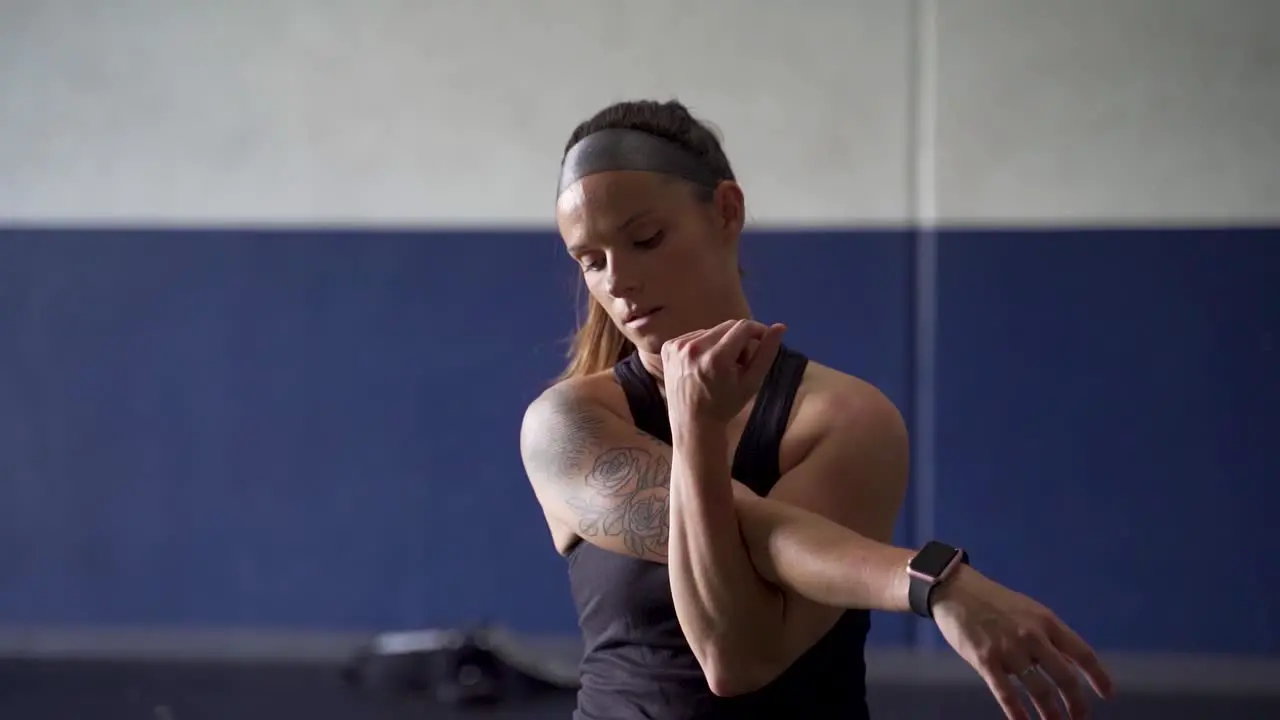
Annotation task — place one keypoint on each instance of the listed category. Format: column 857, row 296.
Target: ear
column 730, row 208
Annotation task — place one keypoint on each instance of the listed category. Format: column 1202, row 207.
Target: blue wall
column 318, row 429
column 1109, row 428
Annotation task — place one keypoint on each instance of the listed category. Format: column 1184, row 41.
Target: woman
column 724, row 503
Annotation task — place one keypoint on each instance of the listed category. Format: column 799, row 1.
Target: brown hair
column 598, row 344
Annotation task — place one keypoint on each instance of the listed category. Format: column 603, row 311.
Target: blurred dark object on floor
column 483, row 667
column 154, row 690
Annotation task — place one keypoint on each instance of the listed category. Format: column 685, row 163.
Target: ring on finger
column 1030, row 670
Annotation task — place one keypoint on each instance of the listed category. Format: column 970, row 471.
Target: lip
column 637, row 318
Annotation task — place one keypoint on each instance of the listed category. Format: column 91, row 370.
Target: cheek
column 594, row 282
column 700, row 265
column 597, row 288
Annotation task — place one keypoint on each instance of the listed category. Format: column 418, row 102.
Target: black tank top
column 637, row 663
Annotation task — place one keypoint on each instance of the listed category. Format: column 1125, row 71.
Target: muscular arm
column 855, row 475
column 595, row 472
column 731, row 616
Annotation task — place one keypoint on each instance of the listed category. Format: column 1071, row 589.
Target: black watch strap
column 929, row 570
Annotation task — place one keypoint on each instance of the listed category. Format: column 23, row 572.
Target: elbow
column 740, row 677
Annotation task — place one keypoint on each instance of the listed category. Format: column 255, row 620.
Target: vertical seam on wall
column 922, row 194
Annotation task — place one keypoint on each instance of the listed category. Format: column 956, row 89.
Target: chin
column 651, row 338
column 647, row 342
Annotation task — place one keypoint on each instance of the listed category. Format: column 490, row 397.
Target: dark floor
column 141, row 691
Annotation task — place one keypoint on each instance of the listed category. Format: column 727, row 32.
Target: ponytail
column 597, row 346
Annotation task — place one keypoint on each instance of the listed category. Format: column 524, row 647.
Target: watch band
column 925, row 580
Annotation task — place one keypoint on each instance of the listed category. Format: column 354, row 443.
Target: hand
column 1010, row 638
column 712, row 374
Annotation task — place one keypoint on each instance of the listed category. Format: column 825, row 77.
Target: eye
column 589, row 264
column 653, row 241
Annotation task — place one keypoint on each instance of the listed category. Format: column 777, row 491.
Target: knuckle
column 1010, row 646
column 988, row 655
column 1027, row 635
column 1047, row 622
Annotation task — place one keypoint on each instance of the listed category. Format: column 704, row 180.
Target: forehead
column 606, row 203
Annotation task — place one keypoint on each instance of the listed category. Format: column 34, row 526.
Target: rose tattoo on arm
column 616, row 481
column 629, row 497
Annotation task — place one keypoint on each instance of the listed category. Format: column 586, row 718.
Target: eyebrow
column 622, row 226
column 634, row 219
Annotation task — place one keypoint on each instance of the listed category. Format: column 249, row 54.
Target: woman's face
column 658, row 259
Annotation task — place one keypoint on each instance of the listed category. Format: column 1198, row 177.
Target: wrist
column 953, row 587
column 899, row 599
column 931, row 572
column 699, row 434
column 700, row 464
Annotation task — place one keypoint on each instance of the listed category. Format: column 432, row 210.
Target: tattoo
column 621, row 492
column 629, row 497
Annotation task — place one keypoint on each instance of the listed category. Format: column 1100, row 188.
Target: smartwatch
column 930, row 568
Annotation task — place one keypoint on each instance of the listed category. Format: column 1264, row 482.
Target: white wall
column 454, row 112
column 1108, row 110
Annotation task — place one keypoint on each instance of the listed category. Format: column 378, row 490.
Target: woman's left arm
column 815, row 535
column 743, row 628
column 855, row 474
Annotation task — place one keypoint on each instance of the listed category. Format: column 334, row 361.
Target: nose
column 622, row 279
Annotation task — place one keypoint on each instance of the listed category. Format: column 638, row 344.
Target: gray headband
column 610, row 150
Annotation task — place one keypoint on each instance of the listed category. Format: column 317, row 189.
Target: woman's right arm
column 595, row 472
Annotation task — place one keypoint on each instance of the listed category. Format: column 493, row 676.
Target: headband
column 614, row 149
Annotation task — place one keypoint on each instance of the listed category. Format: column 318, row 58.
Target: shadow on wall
column 318, row 429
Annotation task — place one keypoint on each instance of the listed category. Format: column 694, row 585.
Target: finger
column 1041, row 691
column 1064, row 675
column 1005, row 693
column 741, row 345
column 765, row 353
column 1078, row 651
column 731, row 345
column 758, row 332
column 687, row 336
column 708, row 339
column 679, row 342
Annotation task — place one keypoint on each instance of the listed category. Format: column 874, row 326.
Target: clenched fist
column 710, row 375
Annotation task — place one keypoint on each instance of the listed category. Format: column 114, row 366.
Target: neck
column 737, row 308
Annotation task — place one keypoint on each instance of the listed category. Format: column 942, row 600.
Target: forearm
column 730, row 615
column 822, row 560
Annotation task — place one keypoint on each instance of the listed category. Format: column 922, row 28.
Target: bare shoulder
column 567, row 418
column 843, row 398
column 845, row 455
column 835, row 405
column 567, row 434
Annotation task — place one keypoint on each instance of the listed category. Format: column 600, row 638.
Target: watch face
column 932, row 559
